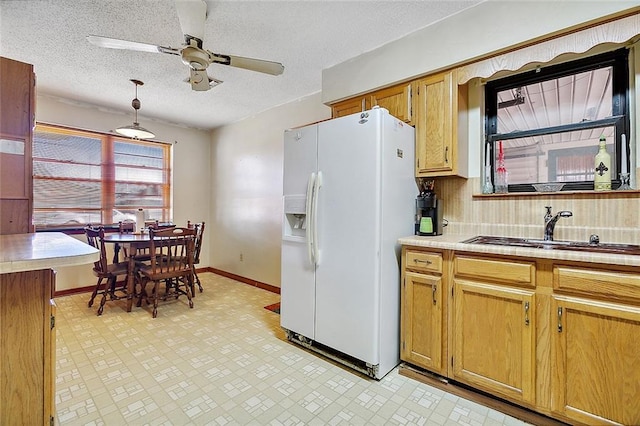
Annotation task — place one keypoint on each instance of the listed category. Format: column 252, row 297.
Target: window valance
column 619, row 31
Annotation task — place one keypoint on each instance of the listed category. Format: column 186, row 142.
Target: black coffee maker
column 428, row 210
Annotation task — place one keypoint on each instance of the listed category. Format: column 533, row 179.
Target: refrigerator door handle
column 316, row 194
column 309, row 218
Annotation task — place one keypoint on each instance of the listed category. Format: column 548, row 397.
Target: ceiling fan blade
column 115, row 43
column 259, row 65
column 192, row 14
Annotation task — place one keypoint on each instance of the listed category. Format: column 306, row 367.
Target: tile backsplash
column 615, row 217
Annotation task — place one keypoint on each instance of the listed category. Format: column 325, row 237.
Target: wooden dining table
column 131, row 243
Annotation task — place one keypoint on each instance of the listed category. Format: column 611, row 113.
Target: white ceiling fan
column 192, row 15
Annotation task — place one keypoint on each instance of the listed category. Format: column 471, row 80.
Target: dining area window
column 82, row 177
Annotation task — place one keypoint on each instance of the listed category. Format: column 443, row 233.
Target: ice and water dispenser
column 295, row 213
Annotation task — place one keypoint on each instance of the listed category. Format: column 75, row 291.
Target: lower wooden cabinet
column 595, row 346
column 423, row 321
column 494, row 339
column 559, row 337
column 27, row 348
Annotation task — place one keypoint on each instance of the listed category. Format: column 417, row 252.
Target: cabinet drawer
column 423, row 261
column 610, row 284
column 497, row 270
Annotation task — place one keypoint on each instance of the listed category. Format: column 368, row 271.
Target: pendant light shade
column 135, row 131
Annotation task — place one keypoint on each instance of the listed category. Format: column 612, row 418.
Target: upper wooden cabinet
column 440, row 120
column 348, row 107
column 396, row 99
column 16, row 109
column 17, row 93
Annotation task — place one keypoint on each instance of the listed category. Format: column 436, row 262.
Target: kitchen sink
column 556, row 245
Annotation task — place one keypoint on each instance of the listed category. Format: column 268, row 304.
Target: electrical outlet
column 241, row 257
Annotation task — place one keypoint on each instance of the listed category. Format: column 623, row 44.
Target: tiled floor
column 225, row 362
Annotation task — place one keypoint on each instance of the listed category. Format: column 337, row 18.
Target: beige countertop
column 46, row 250
column 454, row 242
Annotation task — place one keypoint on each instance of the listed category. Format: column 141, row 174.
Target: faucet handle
column 547, row 215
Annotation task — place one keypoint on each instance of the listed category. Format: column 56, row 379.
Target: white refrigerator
column 349, row 194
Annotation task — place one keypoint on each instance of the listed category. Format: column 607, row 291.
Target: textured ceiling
column 306, row 36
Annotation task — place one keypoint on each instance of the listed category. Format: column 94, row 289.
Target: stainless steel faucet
column 550, row 222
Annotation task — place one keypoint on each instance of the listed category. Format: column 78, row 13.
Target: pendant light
column 135, row 131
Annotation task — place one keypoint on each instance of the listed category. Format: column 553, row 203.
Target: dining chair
column 199, row 227
column 105, row 270
column 172, row 264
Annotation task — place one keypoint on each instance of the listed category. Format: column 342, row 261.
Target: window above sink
column 549, row 121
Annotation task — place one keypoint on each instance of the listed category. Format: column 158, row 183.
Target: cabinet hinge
column 403, row 345
column 52, row 421
column 53, row 321
column 452, row 361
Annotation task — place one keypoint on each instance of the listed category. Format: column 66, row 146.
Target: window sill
column 631, row 193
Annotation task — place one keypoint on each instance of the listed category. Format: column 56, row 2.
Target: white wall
column 246, row 188
column 191, row 168
column 486, row 28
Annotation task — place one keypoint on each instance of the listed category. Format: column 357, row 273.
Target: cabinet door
column 15, row 217
column 422, row 321
column 596, row 354
column 27, row 345
column 397, row 100
column 434, row 125
column 494, row 339
column 17, row 92
column 350, row 106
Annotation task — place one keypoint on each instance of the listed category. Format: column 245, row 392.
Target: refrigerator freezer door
column 347, row 278
column 300, row 159
column 297, row 292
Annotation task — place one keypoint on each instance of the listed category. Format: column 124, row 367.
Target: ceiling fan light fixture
column 135, row 131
